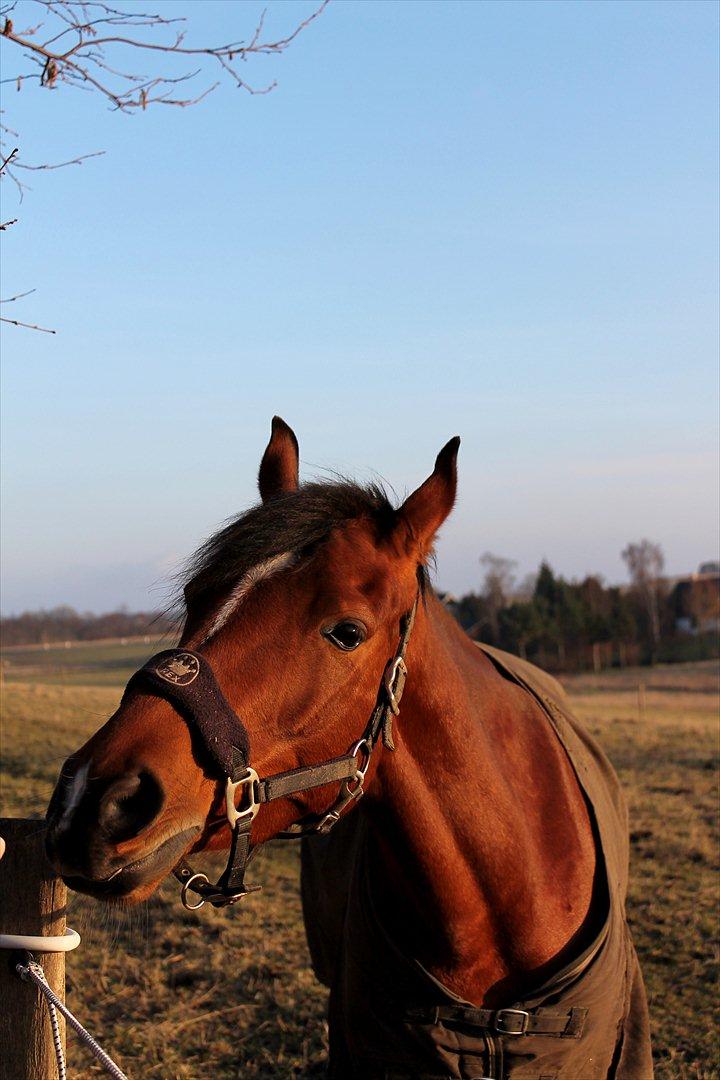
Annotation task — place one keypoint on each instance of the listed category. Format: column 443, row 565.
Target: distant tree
column 497, row 587
column 525, row 590
column 597, row 608
column 645, row 562
column 546, row 585
column 66, row 624
column 561, row 611
column 520, row 627
column 472, row 614
column 623, row 625
column 545, row 600
column 565, row 623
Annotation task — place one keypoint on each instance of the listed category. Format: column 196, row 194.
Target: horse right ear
column 279, row 466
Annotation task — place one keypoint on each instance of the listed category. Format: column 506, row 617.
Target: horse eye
column 346, row 635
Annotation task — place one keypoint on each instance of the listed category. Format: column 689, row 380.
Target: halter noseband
column 187, row 681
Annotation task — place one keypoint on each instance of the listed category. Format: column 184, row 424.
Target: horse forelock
column 270, row 537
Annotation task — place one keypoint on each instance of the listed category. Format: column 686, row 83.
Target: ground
column 179, row 995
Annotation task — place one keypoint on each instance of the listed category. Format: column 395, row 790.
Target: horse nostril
column 129, row 804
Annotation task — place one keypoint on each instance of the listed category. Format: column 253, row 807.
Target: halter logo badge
column 181, row 669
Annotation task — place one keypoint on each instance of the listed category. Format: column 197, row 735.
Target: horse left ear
column 425, row 510
column 279, row 466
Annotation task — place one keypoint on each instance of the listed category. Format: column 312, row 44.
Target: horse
column 468, row 912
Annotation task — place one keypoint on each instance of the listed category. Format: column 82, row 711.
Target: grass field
column 181, row 995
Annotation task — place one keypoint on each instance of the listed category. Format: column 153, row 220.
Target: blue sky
column 497, row 220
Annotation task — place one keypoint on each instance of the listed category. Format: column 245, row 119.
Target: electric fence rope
column 32, row 970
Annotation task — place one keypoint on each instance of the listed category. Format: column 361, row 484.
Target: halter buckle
column 251, row 783
column 326, row 823
column 350, row 790
column 395, row 676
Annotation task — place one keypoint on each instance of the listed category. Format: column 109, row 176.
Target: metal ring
column 365, row 746
column 184, row 890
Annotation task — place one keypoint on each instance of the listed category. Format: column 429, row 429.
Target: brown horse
column 468, row 913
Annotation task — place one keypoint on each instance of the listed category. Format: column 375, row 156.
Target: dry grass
column 179, row 995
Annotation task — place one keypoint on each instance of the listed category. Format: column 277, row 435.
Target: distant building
column 696, row 600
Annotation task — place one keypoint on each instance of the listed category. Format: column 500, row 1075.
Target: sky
column 497, row 220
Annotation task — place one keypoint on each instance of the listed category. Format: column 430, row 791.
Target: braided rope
column 57, row 1039
column 33, row 971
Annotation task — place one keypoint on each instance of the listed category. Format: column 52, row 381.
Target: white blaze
column 247, row 582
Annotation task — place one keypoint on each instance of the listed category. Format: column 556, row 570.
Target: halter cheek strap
column 187, row 680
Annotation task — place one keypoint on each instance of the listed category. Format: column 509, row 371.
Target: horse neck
column 483, row 854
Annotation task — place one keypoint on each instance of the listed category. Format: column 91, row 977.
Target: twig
column 19, row 296
column 27, row 325
column 7, row 160
column 61, row 164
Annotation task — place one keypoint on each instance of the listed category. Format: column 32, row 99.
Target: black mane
column 297, row 522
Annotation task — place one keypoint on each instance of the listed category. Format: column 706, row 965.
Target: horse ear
column 279, row 466
column 424, row 511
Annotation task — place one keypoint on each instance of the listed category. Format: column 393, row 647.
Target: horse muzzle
column 106, row 836
column 134, row 876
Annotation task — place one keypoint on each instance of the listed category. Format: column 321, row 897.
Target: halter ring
column 184, row 891
column 363, row 747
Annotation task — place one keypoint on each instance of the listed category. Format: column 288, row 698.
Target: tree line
column 62, row 624
column 566, row 625
column 559, row 624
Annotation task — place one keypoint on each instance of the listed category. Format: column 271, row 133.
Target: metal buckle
column 251, row 781
column 395, row 676
column 512, row 1026
column 351, row 789
column 227, row 899
column 326, row 823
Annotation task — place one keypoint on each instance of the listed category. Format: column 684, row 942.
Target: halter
column 186, row 679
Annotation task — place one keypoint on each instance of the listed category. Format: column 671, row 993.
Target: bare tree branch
column 18, row 297
column 84, row 58
column 83, row 40
column 85, row 44
column 62, row 164
column 27, row 325
column 6, row 161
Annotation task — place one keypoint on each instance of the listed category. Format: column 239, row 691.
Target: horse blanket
column 391, row 1020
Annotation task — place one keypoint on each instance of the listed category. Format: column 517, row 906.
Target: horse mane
column 294, row 522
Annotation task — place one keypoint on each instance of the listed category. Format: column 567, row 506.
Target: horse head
column 291, row 614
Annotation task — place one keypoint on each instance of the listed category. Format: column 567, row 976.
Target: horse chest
column 391, row 1020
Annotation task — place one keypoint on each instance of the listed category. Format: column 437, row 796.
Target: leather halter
column 186, row 679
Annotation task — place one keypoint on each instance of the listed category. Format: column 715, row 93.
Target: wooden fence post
column 32, row 901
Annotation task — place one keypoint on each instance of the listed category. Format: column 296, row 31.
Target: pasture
column 178, row 994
